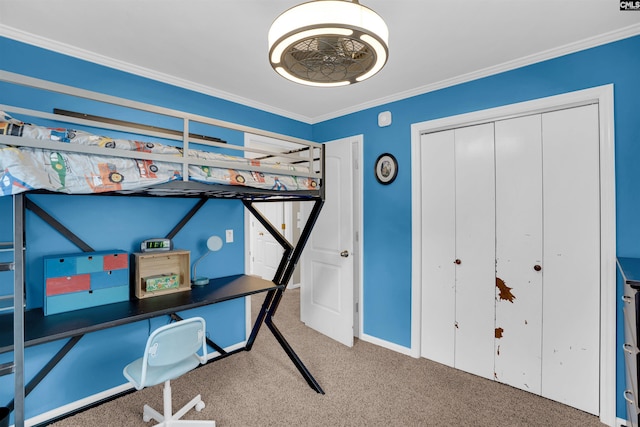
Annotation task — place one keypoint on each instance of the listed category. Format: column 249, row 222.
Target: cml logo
column 629, row 5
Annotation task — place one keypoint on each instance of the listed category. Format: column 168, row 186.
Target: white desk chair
column 171, row 351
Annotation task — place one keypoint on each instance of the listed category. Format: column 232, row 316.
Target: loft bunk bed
column 81, row 153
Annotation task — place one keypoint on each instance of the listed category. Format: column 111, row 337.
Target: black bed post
column 277, row 279
column 297, row 252
column 273, row 307
column 285, row 270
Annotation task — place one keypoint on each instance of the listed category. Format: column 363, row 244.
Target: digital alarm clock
column 158, row 244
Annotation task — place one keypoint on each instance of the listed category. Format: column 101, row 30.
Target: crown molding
column 75, row 52
column 66, row 49
column 584, row 44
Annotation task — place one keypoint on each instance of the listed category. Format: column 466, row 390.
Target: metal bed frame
column 248, row 196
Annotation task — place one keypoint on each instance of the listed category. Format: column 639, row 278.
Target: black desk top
column 630, row 269
column 41, row 329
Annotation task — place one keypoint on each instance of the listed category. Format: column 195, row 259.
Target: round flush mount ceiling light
column 328, row 43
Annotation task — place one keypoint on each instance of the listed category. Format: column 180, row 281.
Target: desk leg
column 287, row 348
column 286, row 275
column 288, row 262
column 269, row 307
column 260, row 320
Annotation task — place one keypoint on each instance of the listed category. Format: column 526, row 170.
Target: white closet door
column 571, row 264
column 519, row 252
column 438, row 246
column 475, row 249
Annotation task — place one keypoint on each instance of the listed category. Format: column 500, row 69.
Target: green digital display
column 159, row 244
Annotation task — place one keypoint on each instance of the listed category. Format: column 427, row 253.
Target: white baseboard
column 386, row 344
column 89, row 400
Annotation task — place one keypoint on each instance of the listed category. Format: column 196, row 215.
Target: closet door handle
column 537, row 267
column 344, row 254
column 457, row 261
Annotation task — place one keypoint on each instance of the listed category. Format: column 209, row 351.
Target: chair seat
column 158, row 374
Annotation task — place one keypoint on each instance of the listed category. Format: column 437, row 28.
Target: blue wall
column 387, row 209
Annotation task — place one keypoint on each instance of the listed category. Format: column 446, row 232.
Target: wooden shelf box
column 151, row 266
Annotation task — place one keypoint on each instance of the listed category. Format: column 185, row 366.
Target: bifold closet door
column 571, row 264
column 458, row 248
column 511, row 252
column 518, row 343
column 475, row 249
column 438, row 246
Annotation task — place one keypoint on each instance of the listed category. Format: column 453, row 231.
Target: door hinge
column 357, row 308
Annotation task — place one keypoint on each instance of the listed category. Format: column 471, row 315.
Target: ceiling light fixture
column 328, row 43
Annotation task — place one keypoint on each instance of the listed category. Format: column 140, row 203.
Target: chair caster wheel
column 200, row 406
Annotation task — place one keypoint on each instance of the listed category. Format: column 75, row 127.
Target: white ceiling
column 219, row 47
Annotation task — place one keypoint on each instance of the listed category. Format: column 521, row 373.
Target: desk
column 40, row 329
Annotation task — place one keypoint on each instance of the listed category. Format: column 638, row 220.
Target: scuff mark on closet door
column 505, row 293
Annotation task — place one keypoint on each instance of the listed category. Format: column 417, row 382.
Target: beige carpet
column 365, row 386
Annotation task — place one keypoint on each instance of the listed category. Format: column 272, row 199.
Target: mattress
column 26, row 168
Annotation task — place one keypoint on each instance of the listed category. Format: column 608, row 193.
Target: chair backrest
column 176, row 341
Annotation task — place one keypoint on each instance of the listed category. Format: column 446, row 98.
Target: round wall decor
column 386, row 168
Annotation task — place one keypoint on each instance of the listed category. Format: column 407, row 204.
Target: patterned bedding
column 25, row 168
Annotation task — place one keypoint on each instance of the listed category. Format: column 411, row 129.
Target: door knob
column 344, row 254
column 537, row 267
column 458, row 262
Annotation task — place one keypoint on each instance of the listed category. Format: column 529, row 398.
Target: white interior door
column 518, row 337
column 571, row 301
column 266, row 252
column 327, row 286
column 475, row 249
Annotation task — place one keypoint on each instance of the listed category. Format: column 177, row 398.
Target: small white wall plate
column 384, row 119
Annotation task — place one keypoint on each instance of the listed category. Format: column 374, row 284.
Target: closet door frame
column 603, row 96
